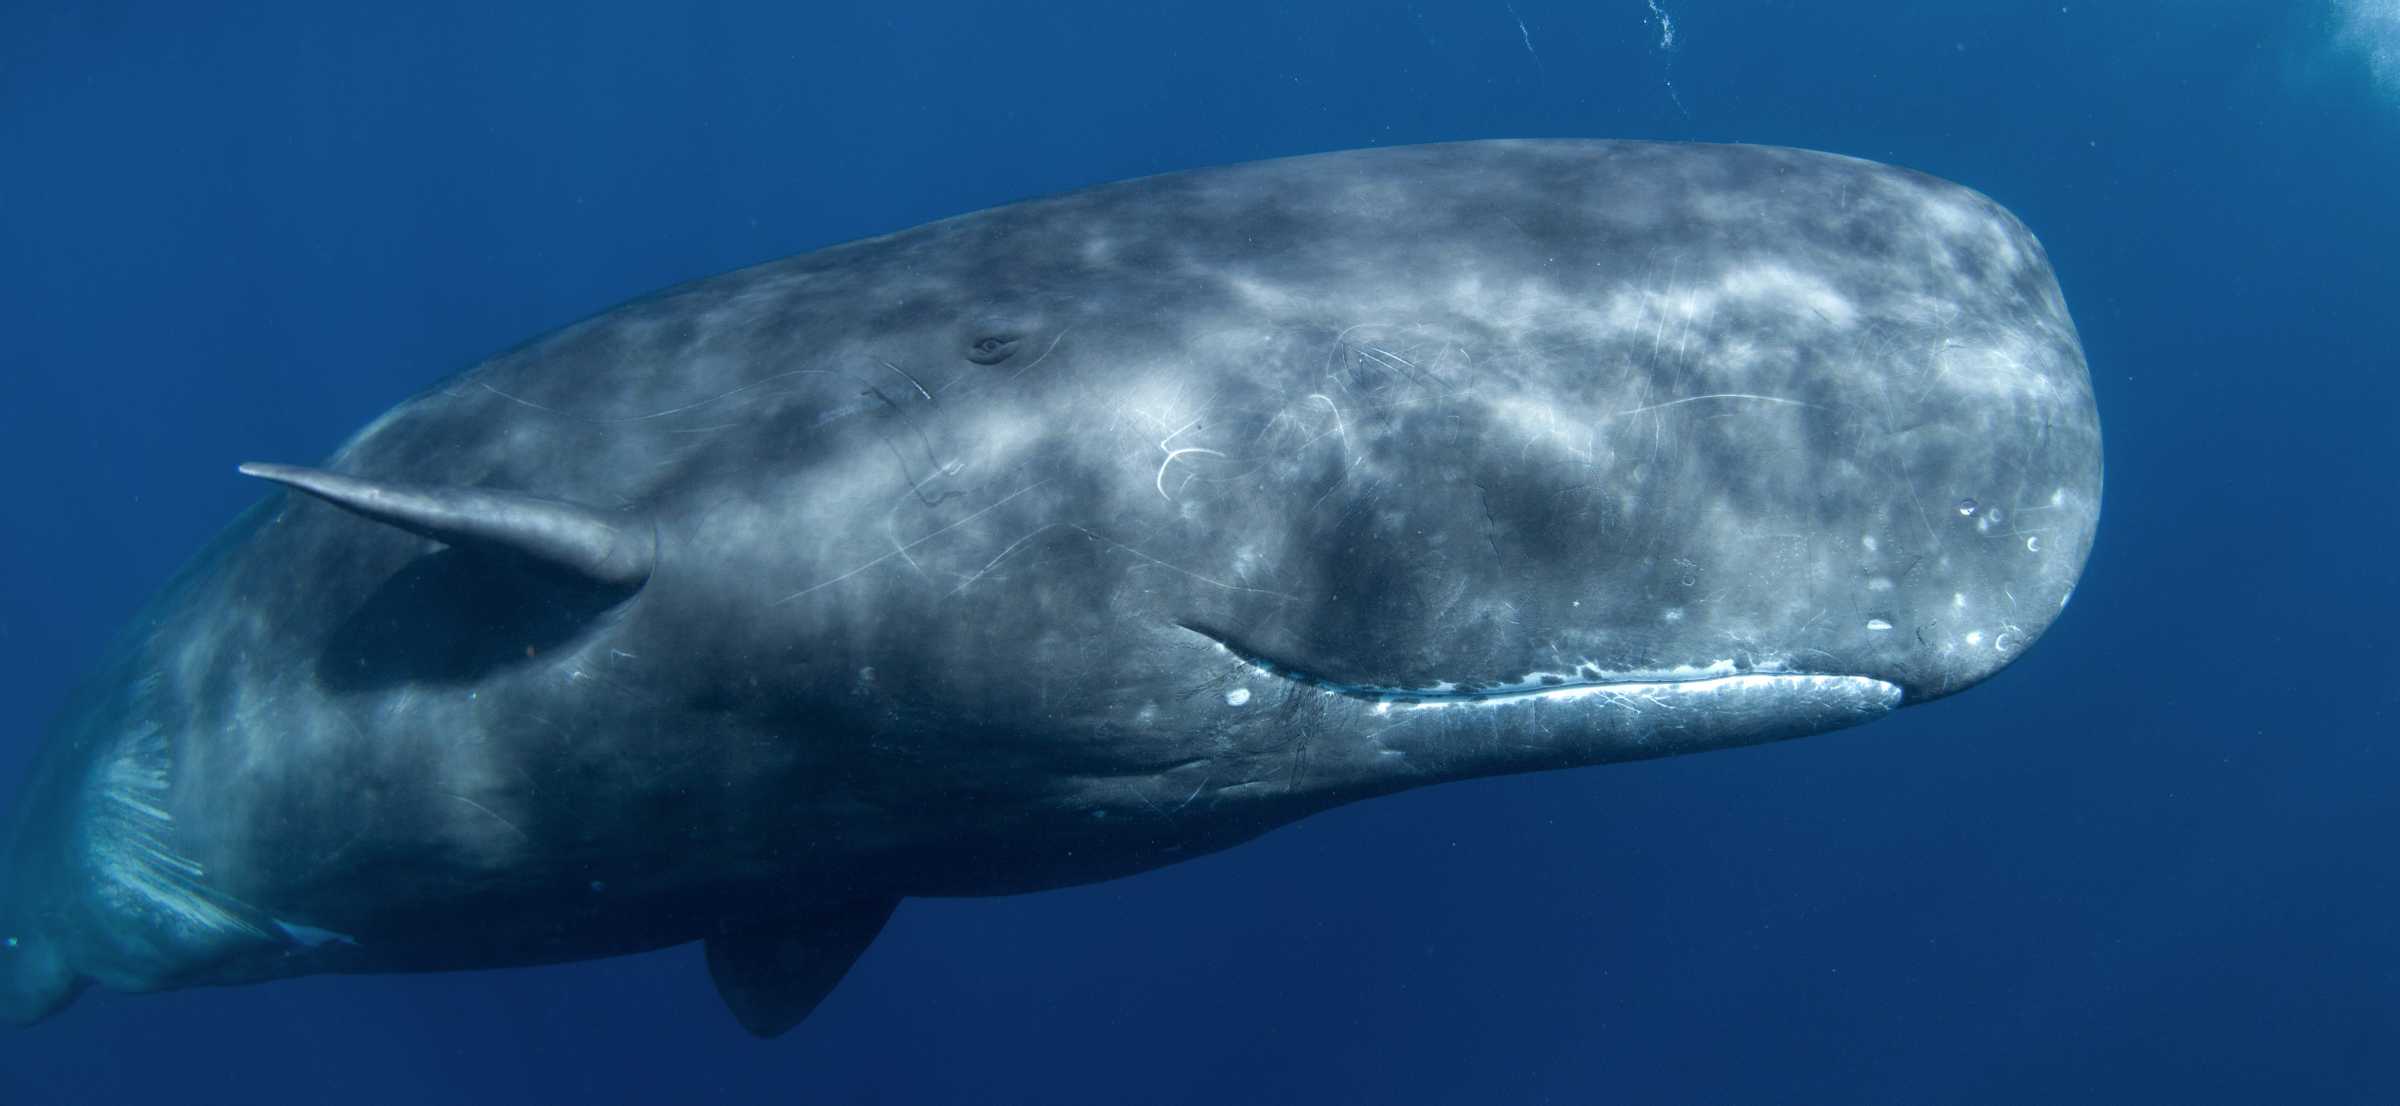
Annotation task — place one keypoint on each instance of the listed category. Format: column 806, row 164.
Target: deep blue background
column 2153, row 861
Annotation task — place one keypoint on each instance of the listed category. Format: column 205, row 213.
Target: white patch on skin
column 1974, row 637
column 1794, row 291
column 2008, row 365
column 1879, row 583
column 1237, row 696
column 1950, row 215
column 1877, row 625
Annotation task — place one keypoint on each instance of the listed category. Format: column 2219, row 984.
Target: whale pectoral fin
column 611, row 549
column 771, row 978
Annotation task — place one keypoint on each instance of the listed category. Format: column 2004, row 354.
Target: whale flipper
column 609, row 549
column 772, row 978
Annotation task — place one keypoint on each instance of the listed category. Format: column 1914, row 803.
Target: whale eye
column 991, row 349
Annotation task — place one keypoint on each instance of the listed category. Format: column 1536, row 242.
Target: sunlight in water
column 2373, row 27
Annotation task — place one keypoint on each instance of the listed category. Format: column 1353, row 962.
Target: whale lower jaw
column 1688, row 684
column 1657, row 691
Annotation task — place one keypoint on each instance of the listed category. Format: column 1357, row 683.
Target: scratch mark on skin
column 759, row 383
column 1003, row 555
column 1683, row 339
column 1012, row 377
column 1172, row 454
column 1113, row 544
column 915, row 485
column 1362, row 501
column 512, row 826
column 1338, row 430
column 1659, row 333
column 1658, row 426
column 1377, row 735
column 891, row 530
column 1180, row 569
column 1299, row 763
column 1004, row 500
column 1490, row 527
column 1718, row 395
column 1907, row 478
column 1149, row 804
column 912, row 381
column 1337, row 485
column 1342, row 341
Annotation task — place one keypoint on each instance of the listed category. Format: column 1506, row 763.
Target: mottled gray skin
column 1080, row 536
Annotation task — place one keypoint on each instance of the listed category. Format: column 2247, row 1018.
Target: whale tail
column 35, row 980
column 95, row 886
column 36, row 977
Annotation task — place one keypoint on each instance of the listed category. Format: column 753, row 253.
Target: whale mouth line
column 1722, row 677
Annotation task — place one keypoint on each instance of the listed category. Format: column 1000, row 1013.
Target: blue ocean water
column 2152, row 861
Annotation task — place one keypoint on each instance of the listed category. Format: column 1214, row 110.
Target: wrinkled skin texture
column 1080, row 536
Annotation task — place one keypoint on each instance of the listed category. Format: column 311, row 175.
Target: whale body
column 1066, row 540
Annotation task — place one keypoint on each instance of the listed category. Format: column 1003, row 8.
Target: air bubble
column 1966, row 507
column 2033, row 543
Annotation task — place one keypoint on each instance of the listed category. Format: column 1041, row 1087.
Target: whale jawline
column 1719, row 677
